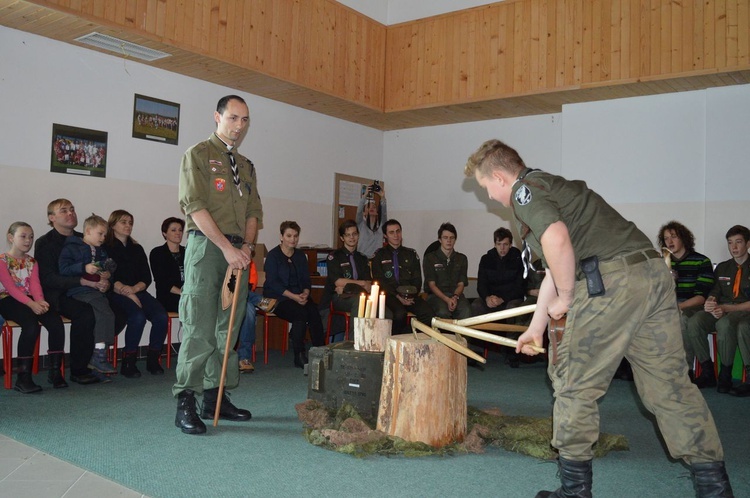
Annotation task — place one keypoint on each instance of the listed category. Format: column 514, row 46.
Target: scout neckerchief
column 520, row 196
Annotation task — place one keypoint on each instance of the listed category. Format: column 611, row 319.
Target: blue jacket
column 75, row 255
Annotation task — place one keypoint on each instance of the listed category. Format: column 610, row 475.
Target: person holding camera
column 370, row 213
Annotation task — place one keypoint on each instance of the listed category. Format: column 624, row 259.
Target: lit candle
column 368, row 307
column 374, row 292
column 381, row 306
column 361, row 307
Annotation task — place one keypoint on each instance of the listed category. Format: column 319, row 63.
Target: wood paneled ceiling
column 406, row 64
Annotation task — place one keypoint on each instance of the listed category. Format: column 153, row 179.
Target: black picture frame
column 78, row 151
column 155, row 119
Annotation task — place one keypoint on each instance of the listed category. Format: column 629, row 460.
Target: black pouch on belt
column 594, row 283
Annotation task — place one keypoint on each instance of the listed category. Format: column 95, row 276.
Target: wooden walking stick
column 233, row 284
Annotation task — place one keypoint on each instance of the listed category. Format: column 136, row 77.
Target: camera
column 375, row 188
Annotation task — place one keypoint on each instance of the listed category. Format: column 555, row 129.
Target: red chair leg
column 7, row 333
column 35, row 365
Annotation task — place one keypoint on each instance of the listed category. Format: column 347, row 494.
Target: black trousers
column 29, row 322
column 420, row 308
column 302, row 317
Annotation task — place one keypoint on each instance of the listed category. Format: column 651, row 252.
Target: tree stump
column 371, row 334
column 423, row 396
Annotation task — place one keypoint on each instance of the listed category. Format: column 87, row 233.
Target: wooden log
column 371, row 334
column 423, row 394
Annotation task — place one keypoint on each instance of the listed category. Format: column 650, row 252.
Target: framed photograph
column 155, row 119
column 78, row 151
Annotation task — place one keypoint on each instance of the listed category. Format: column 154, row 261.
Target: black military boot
column 54, row 375
column 227, row 411
column 707, row 378
column 575, row 480
column 743, row 390
column 711, row 480
column 24, row 382
column 152, row 362
column 128, row 368
column 187, row 417
column 724, row 384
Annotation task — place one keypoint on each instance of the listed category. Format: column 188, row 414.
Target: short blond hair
column 94, row 221
column 493, row 155
column 52, row 206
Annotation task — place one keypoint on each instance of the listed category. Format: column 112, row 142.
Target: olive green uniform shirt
column 724, row 278
column 596, row 229
column 410, row 271
column 445, row 272
column 206, row 182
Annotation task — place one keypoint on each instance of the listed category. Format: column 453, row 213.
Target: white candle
column 361, row 307
column 381, row 306
column 368, row 307
column 374, row 292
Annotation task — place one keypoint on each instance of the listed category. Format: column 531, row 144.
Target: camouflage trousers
column 204, row 322
column 636, row 318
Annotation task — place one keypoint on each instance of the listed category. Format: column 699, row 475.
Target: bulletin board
column 347, row 190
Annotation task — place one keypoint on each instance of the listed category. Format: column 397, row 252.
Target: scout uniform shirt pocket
column 220, row 179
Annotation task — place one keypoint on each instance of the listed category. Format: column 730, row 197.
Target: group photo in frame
column 156, row 119
column 78, row 151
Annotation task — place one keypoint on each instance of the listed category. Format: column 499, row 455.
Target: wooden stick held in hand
column 236, row 294
column 477, row 334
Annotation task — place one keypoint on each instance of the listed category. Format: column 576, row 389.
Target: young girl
column 22, row 300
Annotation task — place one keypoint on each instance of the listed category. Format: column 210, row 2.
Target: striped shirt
column 695, row 276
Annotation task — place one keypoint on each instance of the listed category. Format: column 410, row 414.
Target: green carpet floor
column 125, row 431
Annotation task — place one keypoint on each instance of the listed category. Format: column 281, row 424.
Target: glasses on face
column 447, row 237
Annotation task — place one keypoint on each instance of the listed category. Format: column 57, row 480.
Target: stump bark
column 371, row 334
column 423, row 395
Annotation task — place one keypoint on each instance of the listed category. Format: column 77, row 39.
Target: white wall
column 424, row 172
column 396, row 11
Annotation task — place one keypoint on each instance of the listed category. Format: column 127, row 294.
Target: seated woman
column 22, row 300
column 129, row 282
column 168, row 264
column 288, row 280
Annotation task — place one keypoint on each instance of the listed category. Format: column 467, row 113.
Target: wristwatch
column 249, row 245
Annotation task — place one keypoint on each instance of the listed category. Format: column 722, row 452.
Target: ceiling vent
column 121, row 47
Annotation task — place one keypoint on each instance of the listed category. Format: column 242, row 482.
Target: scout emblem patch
column 220, row 184
column 523, row 195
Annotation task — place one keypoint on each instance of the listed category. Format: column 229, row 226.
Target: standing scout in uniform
column 619, row 299
column 398, row 270
column 218, row 194
column 348, row 271
column 445, row 276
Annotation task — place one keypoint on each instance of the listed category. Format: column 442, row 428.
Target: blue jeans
column 152, row 311
column 247, row 330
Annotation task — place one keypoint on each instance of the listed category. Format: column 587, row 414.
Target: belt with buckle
column 233, row 239
column 621, row 262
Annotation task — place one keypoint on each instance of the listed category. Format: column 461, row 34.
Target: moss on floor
column 346, row 432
